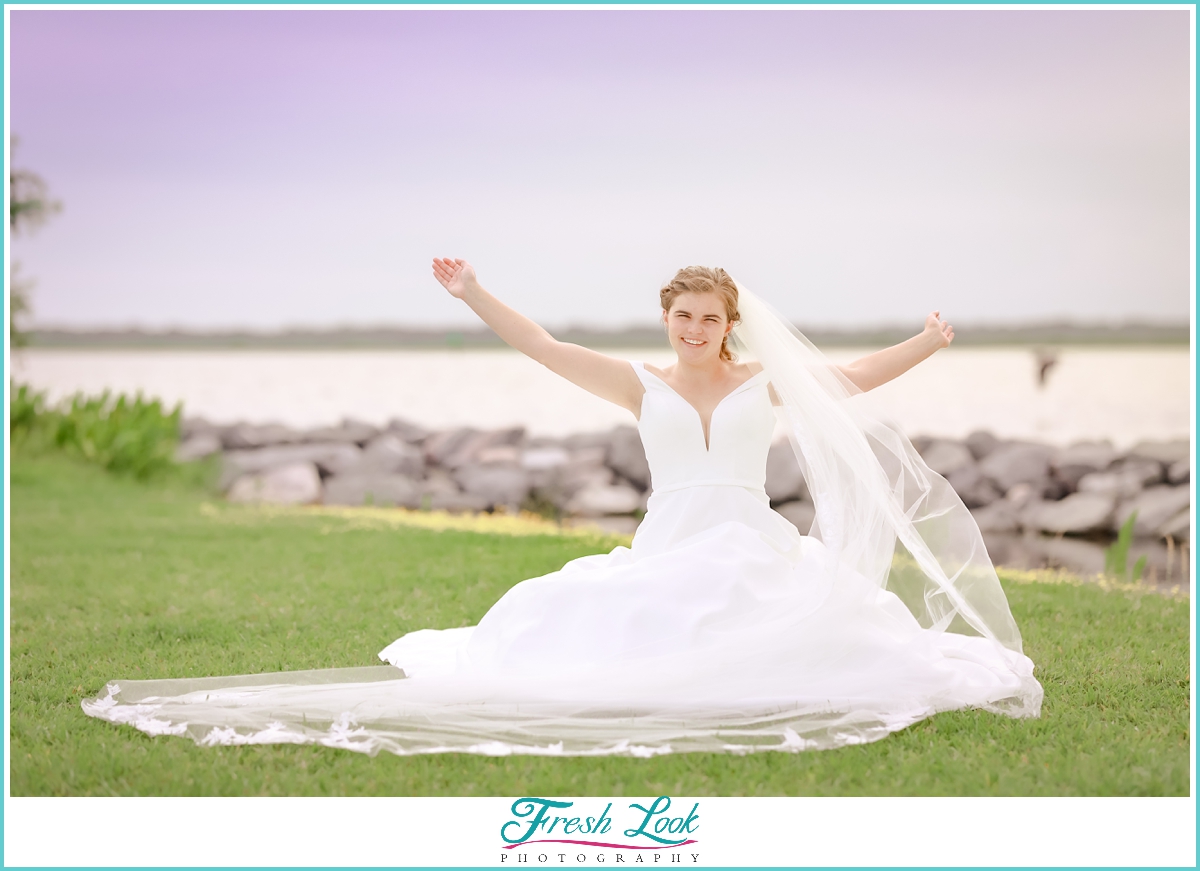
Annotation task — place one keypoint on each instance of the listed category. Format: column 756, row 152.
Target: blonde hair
column 704, row 279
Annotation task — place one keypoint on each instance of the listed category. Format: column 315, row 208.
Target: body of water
column 1124, row 394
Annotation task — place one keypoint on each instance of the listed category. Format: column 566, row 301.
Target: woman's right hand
column 457, row 276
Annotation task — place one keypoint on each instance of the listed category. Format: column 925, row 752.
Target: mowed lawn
column 115, row 579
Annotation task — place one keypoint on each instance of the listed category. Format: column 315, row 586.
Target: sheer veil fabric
column 722, row 628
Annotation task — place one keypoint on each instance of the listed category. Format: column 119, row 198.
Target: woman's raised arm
column 881, row 367
column 605, row 376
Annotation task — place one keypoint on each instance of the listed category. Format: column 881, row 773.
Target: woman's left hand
column 942, row 332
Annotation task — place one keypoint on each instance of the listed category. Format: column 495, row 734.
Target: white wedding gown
column 720, row 629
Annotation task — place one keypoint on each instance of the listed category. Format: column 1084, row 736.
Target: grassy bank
column 112, row 578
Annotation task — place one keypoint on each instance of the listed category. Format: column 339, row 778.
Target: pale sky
column 240, row 168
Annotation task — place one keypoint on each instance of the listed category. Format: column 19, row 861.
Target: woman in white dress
column 722, row 628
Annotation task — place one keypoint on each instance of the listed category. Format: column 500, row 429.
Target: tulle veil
column 880, row 510
column 891, row 531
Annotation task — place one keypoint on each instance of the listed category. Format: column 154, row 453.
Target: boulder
column 291, row 484
column 444, row 443
column 407, row 431
column 627, row 457
column 947, row 457
column 468, row 450
column 1180, row 472
column 389, row 454
column 559, row 484
column 588, row 440
column 438, row 492
column 330, row 458
column 785, row 481
column 498, row 485
column 973, row 487
column 800, row 514
column 371, row 489
column 500, row 455
column 1071, row 463
column 1165, row 452
column 1017, row 463
column 243, row 436
column 981, row 443
column 1154, row 506
column 537, row 459
column 192, row 426
column 351, row 432
column 600, row 499
column 1126, row 478
column 197, row 447
column 1078, row 513
column 1178, row 527
column 999, row 516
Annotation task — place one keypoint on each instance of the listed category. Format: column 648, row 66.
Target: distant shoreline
column 400, row 338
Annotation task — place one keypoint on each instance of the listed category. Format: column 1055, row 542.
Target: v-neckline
column 705, row 433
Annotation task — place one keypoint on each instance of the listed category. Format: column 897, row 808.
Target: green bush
column 128, row 436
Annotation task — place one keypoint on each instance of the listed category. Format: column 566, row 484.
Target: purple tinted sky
column 269, row 168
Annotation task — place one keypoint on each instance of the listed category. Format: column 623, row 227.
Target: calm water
column 1123, row 394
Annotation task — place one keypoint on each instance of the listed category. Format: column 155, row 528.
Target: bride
column 723, row 627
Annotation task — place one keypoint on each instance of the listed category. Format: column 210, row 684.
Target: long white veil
column 880, row 510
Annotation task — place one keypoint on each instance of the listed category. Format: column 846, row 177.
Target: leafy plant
column 128, row 436
column 1116, row 555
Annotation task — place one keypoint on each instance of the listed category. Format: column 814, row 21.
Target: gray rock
column 1078, row 513
column 469, row 450
column 1126, row 478
column 785, row 481
column 973, row 487
column 407, row 431
column 1178, row 527
column 498, row 485
column 1165, row 452
column 588, row 440
column 981, row 443
column 1154, row 506
column 559, row 484
column 999, row 516
column 192, row 426
column 330, row 458
column 1180, row 471
column 368, row 489
column 438, row 492
column 244, row 435
column 537, row 459
column 349, row 431
column 292, row 484
column 1071, row 463
column 800, row 514
column 627, row 457
column 1017, row 463
column 600, row 499
column 946, row 457
column 390, row 454
column 197, row 447
column 443, row 444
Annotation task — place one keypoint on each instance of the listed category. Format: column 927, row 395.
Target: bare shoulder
column 754, row 367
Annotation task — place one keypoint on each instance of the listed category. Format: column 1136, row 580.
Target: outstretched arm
column 881, row 367
column 606, row 377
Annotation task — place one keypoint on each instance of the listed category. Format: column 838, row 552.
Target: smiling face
column 696, row 325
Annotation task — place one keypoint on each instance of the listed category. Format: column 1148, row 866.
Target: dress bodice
column 739, row 436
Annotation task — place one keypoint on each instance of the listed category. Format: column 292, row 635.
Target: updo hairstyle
column 704, row 279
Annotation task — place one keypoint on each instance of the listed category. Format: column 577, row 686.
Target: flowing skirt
column 721, row 629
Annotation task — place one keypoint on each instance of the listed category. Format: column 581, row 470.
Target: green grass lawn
column 115, row 579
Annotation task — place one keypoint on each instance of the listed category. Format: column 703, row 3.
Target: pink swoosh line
column 599, row 844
